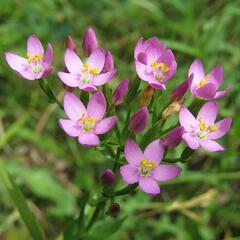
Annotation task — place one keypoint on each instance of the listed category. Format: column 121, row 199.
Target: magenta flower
column 37, row 64
column 174, row 137
column 206, row 86
column 145, row 168
column 120, row 92
column 86, row 76
column 90, row 43
column 86, row 123
column 138, row 121
column 154, row 63
column 203, row 130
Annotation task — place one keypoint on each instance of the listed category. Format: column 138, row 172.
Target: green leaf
column 21, row 204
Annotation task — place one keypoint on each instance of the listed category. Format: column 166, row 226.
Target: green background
column 52, row 169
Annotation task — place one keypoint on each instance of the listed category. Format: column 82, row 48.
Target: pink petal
column 191, row 141
column 157, row 84
column 129, row 173
column 222, row 126
column 103, row 78
column 166, row 172
column 96, row 59
column 154, row 151
column 197, row 69
column 27, row 74
column 138, row 48
column 149, row 185
column 87, row 87
column 69, row 79
column 73, row 62
column 49, row 55
column 141, row 71
column 216, row 76
column 88, row 139
column 133, row 153
column 211, row 146
column 73, row 106
column 208, row 112
column 207, row 92
column 105, row 125
column 69, row 127
column 16, row 62
column 223, row 93
column 97, row 106
column 46, row 72
column 187, row 120
column 34, row 46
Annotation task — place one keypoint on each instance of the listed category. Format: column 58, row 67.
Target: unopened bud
column 108, row 178
column 113, row 209
column 120, row 92
column 70, row 44
column 139, row 120
column 146, row 96
column 89, row 41
column 173, row 137
column 108, row 64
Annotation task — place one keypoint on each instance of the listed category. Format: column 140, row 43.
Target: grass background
column 52, row 169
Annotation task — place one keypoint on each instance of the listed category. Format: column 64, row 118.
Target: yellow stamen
column 147, row 164
column 212, row 128
column 155, row 65
column 85, row 67
column 202, row 124
column 36, row 57
column 94, row 71
column 203, row 82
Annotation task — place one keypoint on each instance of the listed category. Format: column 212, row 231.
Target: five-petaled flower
column 154, row 63
column 86, row 76
column 202, row 131
column 86, row 123
column 145, row 168
column 206, row 86
column 37, row 64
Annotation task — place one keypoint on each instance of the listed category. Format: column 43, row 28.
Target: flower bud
column 181, row 89
column 146, row 96
column 70, row 44
column 109, row 64
column 108, row 178
column 120, row 92
column 89, row 41
column 113, row 209
column 139, row 120
column 174, row 107
column 173, row 137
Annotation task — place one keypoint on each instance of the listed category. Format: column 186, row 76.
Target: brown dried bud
column 146, row 96
column 173, row 108
column 113, row 209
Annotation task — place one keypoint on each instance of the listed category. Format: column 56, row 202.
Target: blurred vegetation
column 53, row 170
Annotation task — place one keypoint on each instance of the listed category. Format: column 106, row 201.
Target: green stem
column 126, row 190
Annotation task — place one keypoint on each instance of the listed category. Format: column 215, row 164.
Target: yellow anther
column 155, row 65
column 202, row 124
column 203, row 82
column 85, row 67
column 212, row 128
column 94, row 71
column 147, row 164
column 36, row 57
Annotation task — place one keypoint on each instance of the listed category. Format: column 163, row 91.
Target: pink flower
column 90, row 43
column 202, row 131
column 206, row 86
column 138, row 121
column 120, row 92
column 174, row 137
column 145, row 168
column 154, row 63
column 86, row 76
column 86, row 123
column 37, row 64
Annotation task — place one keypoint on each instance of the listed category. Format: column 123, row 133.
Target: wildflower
column 86, row 76
column 120, row 92
column 145, row 168
column 154, row 63
column 90, row 43
column 174, row 137
column 108, row 178
column 202, row 131
column 139, row 120
column 86, row 123
column 206, row 86
column 37, row 64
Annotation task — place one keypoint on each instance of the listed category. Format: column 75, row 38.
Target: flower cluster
column 95, row 113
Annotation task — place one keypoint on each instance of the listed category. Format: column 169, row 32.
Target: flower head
column 154, row 63
column 86, row 123
column 139, row 120
column 145, row 168
column 202, row 131
column 37, row 64
column 86, row 76
column 120, row 92
column 90, row 43
column 203, row 85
